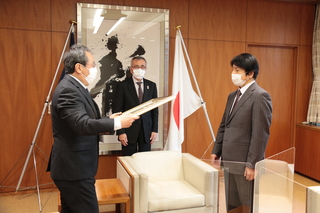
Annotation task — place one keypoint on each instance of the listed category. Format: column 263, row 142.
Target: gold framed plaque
column 149, row 105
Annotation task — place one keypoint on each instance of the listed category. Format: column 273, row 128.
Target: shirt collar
column 135, row 81
column 79, row 81
column 244, row 88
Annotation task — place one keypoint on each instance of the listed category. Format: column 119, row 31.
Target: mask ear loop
column 85, row 68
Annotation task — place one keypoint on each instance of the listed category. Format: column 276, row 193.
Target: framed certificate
column 149, row 105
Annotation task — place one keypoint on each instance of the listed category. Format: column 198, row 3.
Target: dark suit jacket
column 243, row 135
column 76, row 124
column 127, row 98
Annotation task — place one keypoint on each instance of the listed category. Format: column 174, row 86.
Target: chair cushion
column 170, row 195
column 160, row 165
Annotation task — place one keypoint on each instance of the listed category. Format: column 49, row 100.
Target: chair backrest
column 160, row 165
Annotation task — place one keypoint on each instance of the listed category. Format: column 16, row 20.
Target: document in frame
column 149, row 105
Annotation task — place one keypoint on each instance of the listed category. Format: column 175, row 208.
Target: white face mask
column 236, row 79
column 138, row 73
column 92, row 75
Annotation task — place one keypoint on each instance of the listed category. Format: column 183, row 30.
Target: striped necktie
column 236, row 101
column 140, row 93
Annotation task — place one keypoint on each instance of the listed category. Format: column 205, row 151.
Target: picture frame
column 141, row 32
column 149, row 105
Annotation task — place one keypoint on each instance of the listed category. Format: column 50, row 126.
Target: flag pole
column 72, row 22
column 203, row 104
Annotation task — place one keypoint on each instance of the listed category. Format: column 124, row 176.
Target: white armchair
column 313, row 199
column 168, row 181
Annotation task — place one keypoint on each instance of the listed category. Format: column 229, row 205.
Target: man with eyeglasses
column 130, row 93
column 76, row 125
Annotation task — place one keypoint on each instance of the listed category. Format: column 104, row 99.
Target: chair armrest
column 140, row 184
column 130, row 180
column 203, row 177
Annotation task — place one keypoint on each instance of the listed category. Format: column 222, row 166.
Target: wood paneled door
column 277, row 75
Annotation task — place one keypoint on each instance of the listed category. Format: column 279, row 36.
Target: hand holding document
column 127, row 120
column 115, row 115
column 132, row 114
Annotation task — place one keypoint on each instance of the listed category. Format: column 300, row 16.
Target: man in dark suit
column 244, row 131
column 76, row 124
column 143, row 132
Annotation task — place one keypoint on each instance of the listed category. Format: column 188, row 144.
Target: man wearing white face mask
column 76, row 125
column 130, row 93
column 243, row 132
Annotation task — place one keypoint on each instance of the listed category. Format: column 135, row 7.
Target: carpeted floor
column 22, row 202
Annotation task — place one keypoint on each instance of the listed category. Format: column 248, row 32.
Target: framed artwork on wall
column 116, row 34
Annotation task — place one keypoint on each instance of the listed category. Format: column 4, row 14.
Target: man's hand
column 214, row 157
column 249, row 173
column 127, row 120
column 123, row 139
column 215, row 161
column 115, row 114
column 153, row 137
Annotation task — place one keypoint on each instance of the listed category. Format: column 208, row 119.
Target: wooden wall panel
column 308, row 151
column 278, row 78
column 20, row 14
column 211, row 63
column 58, row 41
column 38, row 74
column 13, row 111
column 218, row 20
column 307, row 20
column 24, row 91
column 273, row 22
column 178, row 10
column 62, row 12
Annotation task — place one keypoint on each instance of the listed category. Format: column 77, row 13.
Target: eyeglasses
column 139, row 67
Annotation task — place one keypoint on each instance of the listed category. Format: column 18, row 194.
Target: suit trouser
column 78, row 196
column 239, row 191
column 136, row 146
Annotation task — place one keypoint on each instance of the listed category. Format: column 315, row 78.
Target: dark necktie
column 236, row 101
column 140, row 91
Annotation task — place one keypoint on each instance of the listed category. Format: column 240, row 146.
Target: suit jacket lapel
column 133, row 91
column 229, row 105
column 243, row 99
column 146, row 90
column 91, row 102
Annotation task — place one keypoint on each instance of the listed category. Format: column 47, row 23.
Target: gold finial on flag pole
column 178, row 27
column 72, row 22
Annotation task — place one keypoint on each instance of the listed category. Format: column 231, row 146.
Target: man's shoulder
column 148, row 81
column 258, row 89
column 69, row 82
column 126, row 81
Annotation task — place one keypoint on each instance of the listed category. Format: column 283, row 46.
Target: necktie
column 236, row 101
column 140, row 93
column 88, row 93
